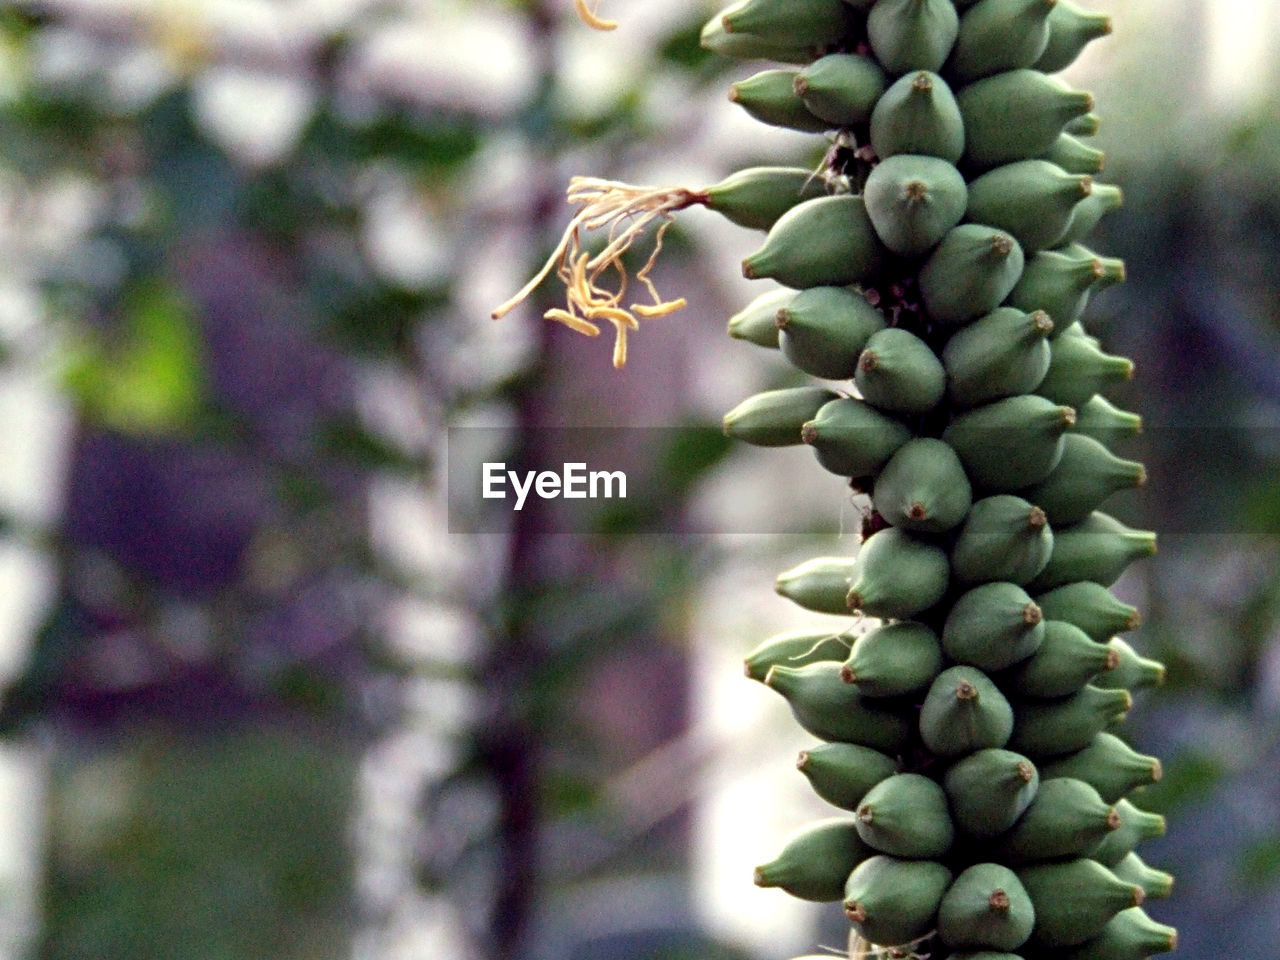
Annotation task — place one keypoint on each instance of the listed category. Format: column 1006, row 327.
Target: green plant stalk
column 942, row 272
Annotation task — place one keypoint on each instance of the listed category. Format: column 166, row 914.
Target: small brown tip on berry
column 868, row 361
column 1001, row 245
column 1113, row 819
column 808, row 433
column 1026, row 772
column 802, row 761
column 1036, row 518
column 1042, row 322
column 1068, row 416
column 847, row 674
column 966, row 691
column 855, row 911
column 999, row 900
column 783, row 318
column 922, row 82
column 918, row 512
column 1032, row 614
column 916, row 192
column 1086, row 185
column 1113, row 659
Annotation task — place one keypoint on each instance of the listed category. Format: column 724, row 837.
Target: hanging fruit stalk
column 936, row 261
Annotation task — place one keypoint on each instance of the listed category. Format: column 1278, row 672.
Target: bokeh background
column 259, row 701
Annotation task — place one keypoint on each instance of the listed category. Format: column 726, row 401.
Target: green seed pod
column 989, row 789
column 755, row 198
column 972, row 270
column 1107, row 764
column 1003, row 538
column 898, row 373
column 906, row 816
column 1067, row 818
column 1105, row 423
column 795, row 649
column 816, row 860
column 918, row 114
column 1132, row 671
column 774, row 418
column 1071, row 29
column 891, row 901
column 1091, row 607
column 842, row 773
column 986, row 906
column 1084, row 478
column 1098, row 548
column 749, row 46
column 1054, row 727
column 1011, row 443
column 898, row 576
column 796, row 23
column 913, row 200
column 831, row 709
column 993, row 626
column 1074, row 900
column 851, row 438
column 826, row 242
column 1016, row 116
column 1102, row 199
column 757, row 321
column 964, row 711
column 1085, row 125
column 912, row 34
column 770, row 97
column 841, row 87
column 923, row 487
column 1156, row 883
column 1078, row 370
column 1065, row 662
column 892, row 660
column 1134, row 826
column 1031, row 199
column 999, row 35
column 1129, row 935
column 1003, row 354
column 1074, row 156
column 1059, row 283
column 820, row 584
column 823, row 330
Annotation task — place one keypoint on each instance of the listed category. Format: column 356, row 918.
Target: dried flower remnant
column 627, row 211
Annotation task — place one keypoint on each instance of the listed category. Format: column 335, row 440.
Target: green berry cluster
column 936, row 261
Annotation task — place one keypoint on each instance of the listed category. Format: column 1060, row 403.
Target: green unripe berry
column 891, row 901
column 970, row 273
column 1071, row 29
column 1099, row 548
column 1016, row 116
column 823, row 329
column 1053, row 727
column 918, row 115
column 795, row 23
column 816, row 860
column 1012, row 443
column 923, row 487
column 1129, row 935
column 906, row 816
column 1066, row 819
column 851, row 438
column 913, row 201
column 1065, row 662
column 1003, row 538
column 1134, row 826
column 1074, row 900
column 820, row 584
column 1091, row 607
column 1157, row 883
column 912, row 34
column 1003, row 354
column 1107, row 764
column 841, row 88
column 989, row 789
column 831, row 709
column 964, row 711
column 999, row 35
column 898, row 576
column 770, row 97
column 757, row 197
column 757, row 321
column 993, row 627
column 826, row 242
column 1031, row 199
column 842, row 773
column 892, row 660
column 986, row 906
column 1132, row 671
column 899, row 373
column 795, row 649
column 774, row 418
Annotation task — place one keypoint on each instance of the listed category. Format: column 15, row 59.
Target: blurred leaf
column 434, row 146
column 348, row 439
column 1188, row 777
column 220, row 848
column 149, row 380
column 1260, row 862
column 381, row 319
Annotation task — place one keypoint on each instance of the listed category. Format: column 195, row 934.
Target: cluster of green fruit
column 936, row 262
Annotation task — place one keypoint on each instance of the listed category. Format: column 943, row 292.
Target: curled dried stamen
column 591, row 18
column 627, row 211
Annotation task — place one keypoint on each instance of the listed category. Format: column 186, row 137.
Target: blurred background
column 259, row 701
